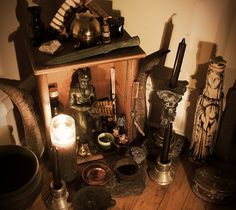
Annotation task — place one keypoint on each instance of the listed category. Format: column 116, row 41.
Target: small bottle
column 106, row 34
column 37, row 28
column 56, row 106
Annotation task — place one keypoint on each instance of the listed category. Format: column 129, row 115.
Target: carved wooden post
column 208, row 111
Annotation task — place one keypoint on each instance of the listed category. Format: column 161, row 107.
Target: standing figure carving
column 82, row 99
column 208, row 111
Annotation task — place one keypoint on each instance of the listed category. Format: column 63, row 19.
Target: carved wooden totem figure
column 208, row 111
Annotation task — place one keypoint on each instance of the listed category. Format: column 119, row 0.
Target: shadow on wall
column 206, row 51
column 107, row 6
column 157, row 76
column 18, row 38
column 21, row 35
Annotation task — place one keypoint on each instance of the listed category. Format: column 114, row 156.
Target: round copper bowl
column 20, row 177
column 126, row 169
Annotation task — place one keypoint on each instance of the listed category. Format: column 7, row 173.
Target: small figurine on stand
column 122, row 124
column 208, row 112
column 36, row 25
column 120, row 132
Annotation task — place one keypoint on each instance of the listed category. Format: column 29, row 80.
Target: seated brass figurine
column 82, row 99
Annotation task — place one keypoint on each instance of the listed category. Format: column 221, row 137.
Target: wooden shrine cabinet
column 125, row 62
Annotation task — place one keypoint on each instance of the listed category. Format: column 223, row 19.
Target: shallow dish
column 96, row 174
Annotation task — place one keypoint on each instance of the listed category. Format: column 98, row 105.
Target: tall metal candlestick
column 177, row 64
column 56, row 170
column 62, row 132
column 166, row 144
column 163, row 172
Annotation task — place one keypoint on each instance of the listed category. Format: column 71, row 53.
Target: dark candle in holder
column 56, row 171
column 177, row 64
column 166, row 144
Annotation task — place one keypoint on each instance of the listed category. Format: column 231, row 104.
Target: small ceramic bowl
column 105, row 140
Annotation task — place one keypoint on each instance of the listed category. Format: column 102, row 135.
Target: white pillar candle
column 63, row 137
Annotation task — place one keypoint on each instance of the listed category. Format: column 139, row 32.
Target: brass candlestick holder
column 163, row 172
column 58, row 198
column 170, row 93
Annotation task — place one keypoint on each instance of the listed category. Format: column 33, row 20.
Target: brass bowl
column 20, row 177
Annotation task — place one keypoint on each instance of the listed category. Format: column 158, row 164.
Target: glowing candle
column 62, row 131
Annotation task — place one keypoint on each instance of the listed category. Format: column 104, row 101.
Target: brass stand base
column 162, row 174
column 57, row 198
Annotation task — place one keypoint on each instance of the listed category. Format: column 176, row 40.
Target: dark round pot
column 126, row 169
column 20, row 177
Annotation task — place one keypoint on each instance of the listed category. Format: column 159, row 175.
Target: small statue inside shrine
column 122, row 124
column 208, row 111
column 82, row 100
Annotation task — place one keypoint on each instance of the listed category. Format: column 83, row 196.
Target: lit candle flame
column 62, row 130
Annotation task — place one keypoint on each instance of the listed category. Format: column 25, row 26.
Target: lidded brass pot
column 86, row 29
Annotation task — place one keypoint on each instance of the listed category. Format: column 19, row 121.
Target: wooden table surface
column 176, row 196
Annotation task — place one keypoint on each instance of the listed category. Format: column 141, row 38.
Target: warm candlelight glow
column 63, row 137
column 62, row 130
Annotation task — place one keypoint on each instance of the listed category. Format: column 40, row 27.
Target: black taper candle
column 177, row 64
column 56, row 170
column 166, row 144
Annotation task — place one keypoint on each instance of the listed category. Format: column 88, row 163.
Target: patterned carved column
column 208, row 111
